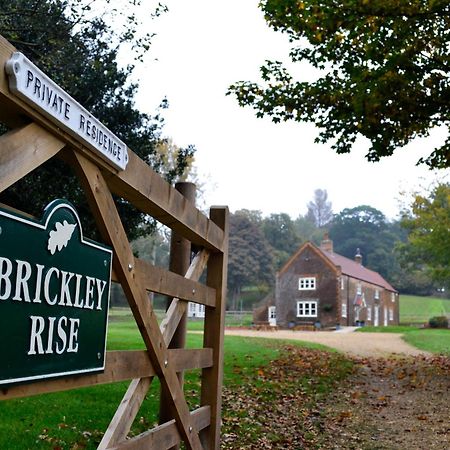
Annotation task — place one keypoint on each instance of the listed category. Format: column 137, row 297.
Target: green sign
column 54, row 296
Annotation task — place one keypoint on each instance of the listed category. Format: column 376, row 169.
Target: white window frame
column 344, row 310
column 377, row 294
column 369, row 313
column 391, row 314
column 342, row 283
column 359, row 289
column 393, row 297
column 307, row 284
column 307, row 308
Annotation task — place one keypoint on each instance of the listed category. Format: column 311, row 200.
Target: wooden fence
column 32, row 141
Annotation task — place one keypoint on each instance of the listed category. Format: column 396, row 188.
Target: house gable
column 306, row 289
column 300, row 251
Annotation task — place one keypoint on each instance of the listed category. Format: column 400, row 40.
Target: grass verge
column 429, row 339
column 77, row 419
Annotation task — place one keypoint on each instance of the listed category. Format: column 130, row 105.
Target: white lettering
column 21, row 281
column 90, row 283
column 100, row 284
column 48, row 275
column 65, row 292
column 36, row 335
column 77, row 303
column 5, row 282
column 73, row 336
column 62, row 335
column 37, row 294
column 51, row 322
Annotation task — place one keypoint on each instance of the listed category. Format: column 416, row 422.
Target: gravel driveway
column 376, row 345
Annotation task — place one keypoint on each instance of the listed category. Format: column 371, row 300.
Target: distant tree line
column 399, row 250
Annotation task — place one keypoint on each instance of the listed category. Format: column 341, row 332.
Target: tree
column 320, row 210
column 280, row 233
column 384, row 72
column 79, row 50
column 428, row 224
column 366, row 228
column 250, row 257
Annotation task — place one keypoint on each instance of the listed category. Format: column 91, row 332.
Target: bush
column 438, row 322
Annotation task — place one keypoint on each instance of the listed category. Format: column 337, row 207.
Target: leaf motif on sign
column 60, row 237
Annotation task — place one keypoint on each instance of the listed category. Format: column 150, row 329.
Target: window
column 369, row 313
column 344, row 309
column 342, row 283
column 192, row 308
column 392, row 297
column 391, row 314
column 307, row 283
column 307, row 308
column 377, row 294
column 358, row 289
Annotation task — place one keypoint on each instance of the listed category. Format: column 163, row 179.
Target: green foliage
column 438, row 322
column 307, row 230
column 428, row 225
column 366, row 228
column 79, row 50
column 280, row 232
column 384, row 72
column 250, row 257
column 154, row 248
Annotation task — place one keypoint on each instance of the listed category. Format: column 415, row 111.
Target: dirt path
column 378, row 345
column 391, row 404
column 397, row 397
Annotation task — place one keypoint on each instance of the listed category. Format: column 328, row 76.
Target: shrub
column 438, row 322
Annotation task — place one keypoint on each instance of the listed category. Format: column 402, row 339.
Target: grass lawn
column 428, row 339
column 76, row 419
column 417, row 310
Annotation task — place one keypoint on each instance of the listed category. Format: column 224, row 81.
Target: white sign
column 37, row 89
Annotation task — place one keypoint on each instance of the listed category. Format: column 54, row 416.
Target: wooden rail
column 138, row 183
column 33, row 140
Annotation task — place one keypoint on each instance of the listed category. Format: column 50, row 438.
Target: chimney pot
column 326, row 244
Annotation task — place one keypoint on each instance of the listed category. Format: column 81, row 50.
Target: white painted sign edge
column 29, row 83
column 108, row 301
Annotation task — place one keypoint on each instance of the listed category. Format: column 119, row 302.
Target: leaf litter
column 310, row 399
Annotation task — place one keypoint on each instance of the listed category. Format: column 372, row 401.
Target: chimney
column 358, row 256
column 326, row 244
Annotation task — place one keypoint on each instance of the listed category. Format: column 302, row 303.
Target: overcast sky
column 201, row 48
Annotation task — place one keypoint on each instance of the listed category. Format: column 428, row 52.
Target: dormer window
column 307, row 283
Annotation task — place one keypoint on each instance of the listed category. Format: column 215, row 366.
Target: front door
column 272, row 316
column 376, row 315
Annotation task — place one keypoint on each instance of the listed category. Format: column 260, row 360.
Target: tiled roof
column 356, row 270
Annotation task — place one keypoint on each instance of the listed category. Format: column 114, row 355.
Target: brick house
column 319, row 287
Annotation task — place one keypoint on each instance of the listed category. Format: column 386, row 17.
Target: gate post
column 180, row 258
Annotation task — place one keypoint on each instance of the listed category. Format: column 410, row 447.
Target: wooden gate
column 34, row 139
